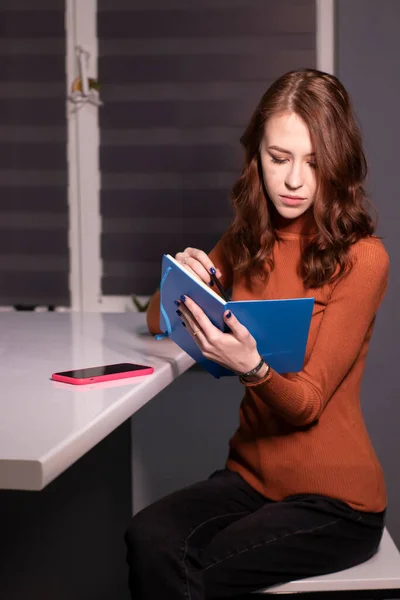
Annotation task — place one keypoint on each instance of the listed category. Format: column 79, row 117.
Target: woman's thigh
column 219, row 500
column 174, row 529
column 302, row 536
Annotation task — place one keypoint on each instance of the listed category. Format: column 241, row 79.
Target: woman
column 302, row 492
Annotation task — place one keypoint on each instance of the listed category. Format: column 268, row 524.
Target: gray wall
column 34, row 253
column 179, row 80
column 368, row 63
column 182, row 435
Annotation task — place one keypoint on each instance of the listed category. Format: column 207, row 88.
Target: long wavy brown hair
column 341, row 217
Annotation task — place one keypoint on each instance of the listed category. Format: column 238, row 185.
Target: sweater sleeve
column 351, row 310
column 219, row 260
column 153, row 314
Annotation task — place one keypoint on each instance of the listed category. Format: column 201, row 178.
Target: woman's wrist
column 257, row 373
column 259, row 376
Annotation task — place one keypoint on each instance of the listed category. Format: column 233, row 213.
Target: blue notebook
column 280, row 327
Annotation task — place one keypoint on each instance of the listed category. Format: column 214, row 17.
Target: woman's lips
column 292, row 201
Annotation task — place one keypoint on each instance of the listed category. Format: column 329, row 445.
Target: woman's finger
column 198, row 262
column 203, row 259
column 192, row 326
column 240, row 332
column 196, row 316
column 190, row 270
column 187, row 316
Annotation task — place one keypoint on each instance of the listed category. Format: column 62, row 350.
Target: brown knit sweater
column 304, row 432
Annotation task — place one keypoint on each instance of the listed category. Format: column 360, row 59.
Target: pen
column 219, row 286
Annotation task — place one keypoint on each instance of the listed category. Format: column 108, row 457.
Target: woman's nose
column 294, row 179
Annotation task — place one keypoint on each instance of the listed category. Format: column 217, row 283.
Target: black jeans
column 220, row 538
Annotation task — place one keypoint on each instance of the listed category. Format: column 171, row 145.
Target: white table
column 46, row 426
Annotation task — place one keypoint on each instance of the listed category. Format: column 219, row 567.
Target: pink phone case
column 98, row 379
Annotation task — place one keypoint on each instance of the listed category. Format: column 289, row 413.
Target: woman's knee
column 151, row 534
column 143, row 531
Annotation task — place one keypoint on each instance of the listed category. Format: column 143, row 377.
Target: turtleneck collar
column 302, row 225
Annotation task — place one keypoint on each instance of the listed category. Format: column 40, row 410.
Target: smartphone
column 103, row 373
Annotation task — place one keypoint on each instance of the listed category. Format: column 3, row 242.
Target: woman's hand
column 236, row 350
column 197, row 262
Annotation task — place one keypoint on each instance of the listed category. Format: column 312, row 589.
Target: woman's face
column 288, row 165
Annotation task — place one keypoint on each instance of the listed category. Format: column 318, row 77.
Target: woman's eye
column 281, row 161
